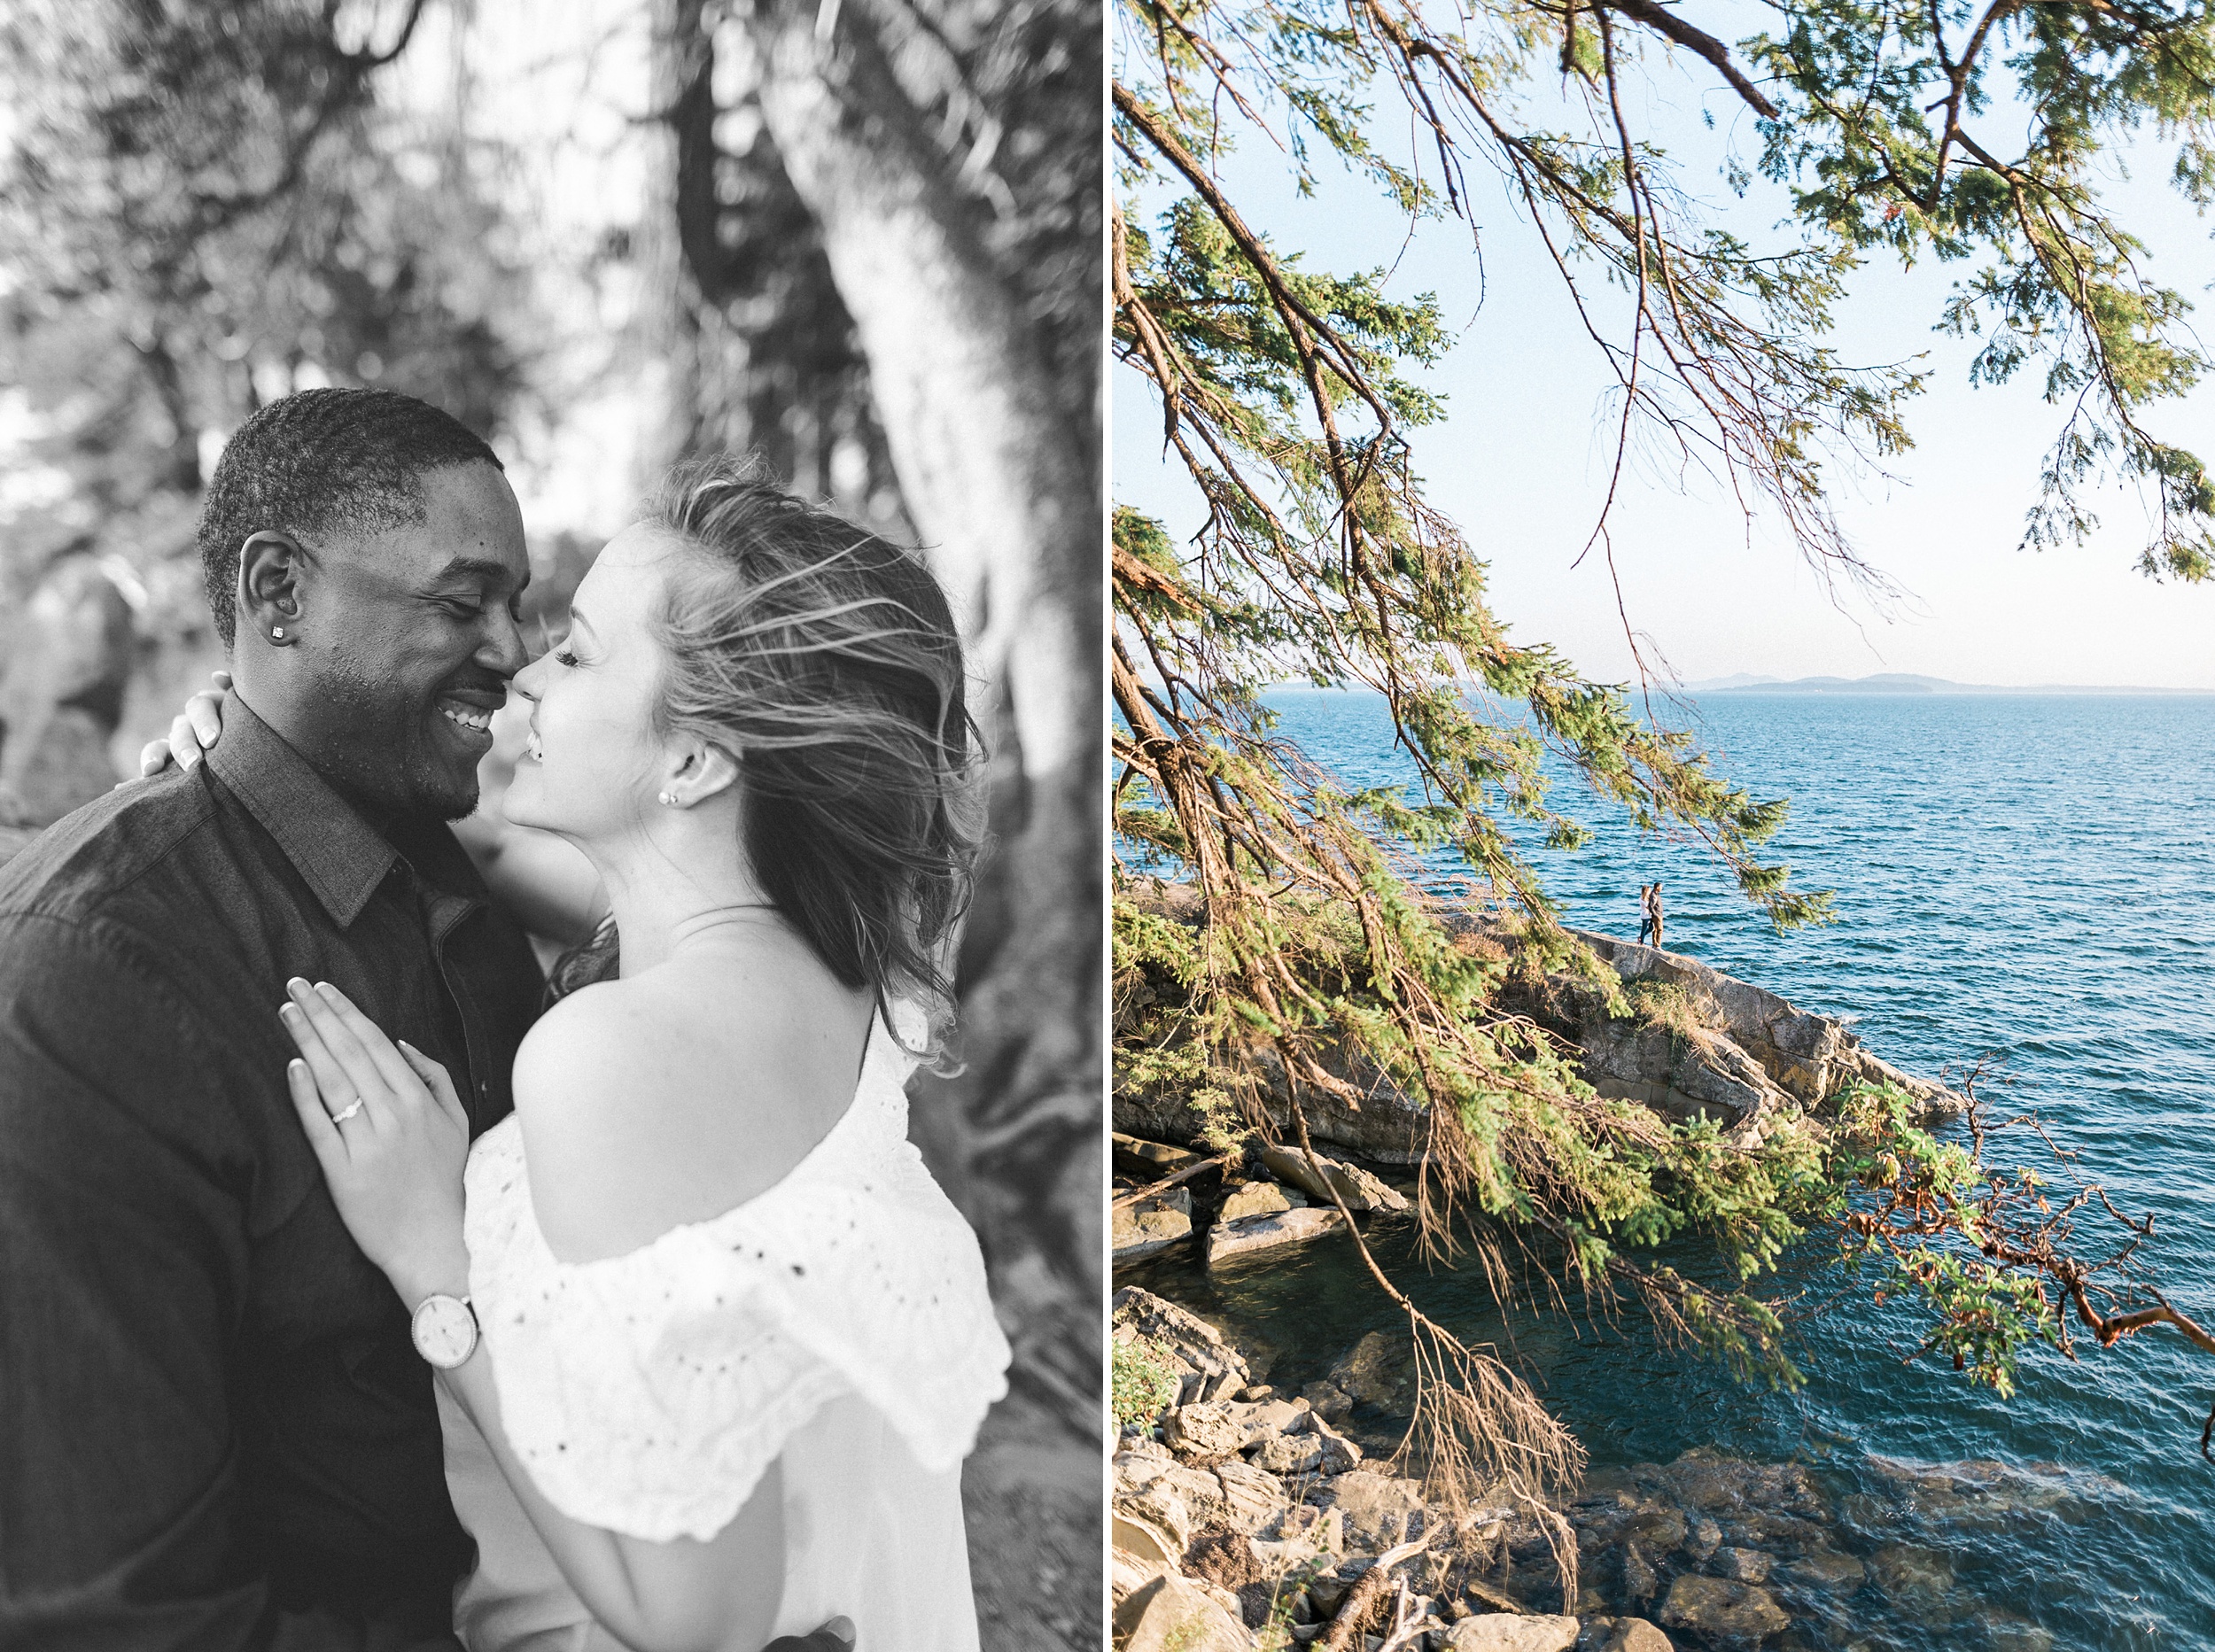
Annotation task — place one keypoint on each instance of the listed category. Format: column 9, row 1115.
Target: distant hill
column 1906, row 683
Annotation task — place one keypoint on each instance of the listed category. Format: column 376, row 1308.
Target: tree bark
column 677, row 83
column 998, row 462
column 1005, row 485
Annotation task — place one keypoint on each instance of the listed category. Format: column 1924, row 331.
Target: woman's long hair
column 826, row 663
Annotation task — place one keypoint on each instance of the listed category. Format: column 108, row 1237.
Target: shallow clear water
column 2020, row 877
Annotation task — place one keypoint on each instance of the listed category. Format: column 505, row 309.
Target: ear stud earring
column 668, row 799
column 277, row 633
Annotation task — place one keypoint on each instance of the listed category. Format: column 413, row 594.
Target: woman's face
column 593, row 764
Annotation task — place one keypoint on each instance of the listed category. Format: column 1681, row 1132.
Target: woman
column 734, row 1341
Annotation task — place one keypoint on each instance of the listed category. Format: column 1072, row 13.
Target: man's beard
column 385, row 758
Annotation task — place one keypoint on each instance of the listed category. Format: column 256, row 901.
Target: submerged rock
column 1912, row 1576
column 1623, row 1634
column 1717, row 1606
column 1371, row 1372
column 1825, row 1569
column 1639, row 1579
column 1704, row 1539
column 1746, row 1565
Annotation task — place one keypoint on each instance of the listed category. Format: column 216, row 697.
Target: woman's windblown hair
column 826, row 661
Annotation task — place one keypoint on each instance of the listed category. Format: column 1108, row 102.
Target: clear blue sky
column 1522, row 458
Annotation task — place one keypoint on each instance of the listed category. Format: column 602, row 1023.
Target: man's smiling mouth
column 476, row 719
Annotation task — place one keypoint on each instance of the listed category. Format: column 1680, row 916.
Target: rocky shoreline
column 1245, row 1520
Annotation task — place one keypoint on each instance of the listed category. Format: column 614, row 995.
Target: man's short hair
column 323, row 461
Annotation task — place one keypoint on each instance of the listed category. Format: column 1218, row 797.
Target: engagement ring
column 358, row 1103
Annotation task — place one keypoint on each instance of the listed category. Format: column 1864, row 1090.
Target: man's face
column 411, row 640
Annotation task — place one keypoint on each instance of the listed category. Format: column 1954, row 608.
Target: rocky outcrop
column 1205, row 1365
column 1806, row 1056
column 1734, row 1052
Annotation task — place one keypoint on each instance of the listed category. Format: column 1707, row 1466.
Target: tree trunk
column 679, row 64
column 999, row 466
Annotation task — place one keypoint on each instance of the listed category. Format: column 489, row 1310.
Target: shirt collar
column 339, row 854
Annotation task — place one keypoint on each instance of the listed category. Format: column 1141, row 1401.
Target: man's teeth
column 468, row 717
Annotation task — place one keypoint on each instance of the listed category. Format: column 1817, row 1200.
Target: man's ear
column 270, row 567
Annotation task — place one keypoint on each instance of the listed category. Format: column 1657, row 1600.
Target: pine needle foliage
column 1287, row 394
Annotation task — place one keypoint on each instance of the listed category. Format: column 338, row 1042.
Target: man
column 214, row 1430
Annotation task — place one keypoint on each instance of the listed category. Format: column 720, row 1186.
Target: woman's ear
column 267, row 599
column 704, row 772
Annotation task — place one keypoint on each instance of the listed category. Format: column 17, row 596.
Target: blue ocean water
column 2025, row 877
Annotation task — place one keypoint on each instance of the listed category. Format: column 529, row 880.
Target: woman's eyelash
column 563, row 657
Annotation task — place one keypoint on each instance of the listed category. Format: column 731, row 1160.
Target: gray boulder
column 1360, row 1191
column 1508, row 1632
column 1151, row 1225
column 1226, row 1240
column 1249, row 1199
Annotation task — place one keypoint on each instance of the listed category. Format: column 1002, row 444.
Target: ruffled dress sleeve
column 647, row 1394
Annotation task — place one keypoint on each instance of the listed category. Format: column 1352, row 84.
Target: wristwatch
column 445, row 1329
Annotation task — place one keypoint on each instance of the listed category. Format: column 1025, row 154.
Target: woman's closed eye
column 562, row 649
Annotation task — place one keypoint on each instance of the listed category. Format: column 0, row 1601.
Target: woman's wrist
column 445, row 1273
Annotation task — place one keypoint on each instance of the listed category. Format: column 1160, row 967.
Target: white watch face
column 445, row 1330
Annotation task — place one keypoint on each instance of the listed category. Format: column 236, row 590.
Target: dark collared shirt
column 210, row 1409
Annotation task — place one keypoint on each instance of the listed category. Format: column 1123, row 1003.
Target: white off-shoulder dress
column 839, row 1322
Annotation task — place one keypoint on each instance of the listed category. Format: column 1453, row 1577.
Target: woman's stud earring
column 668, row 799
column 277, row 633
